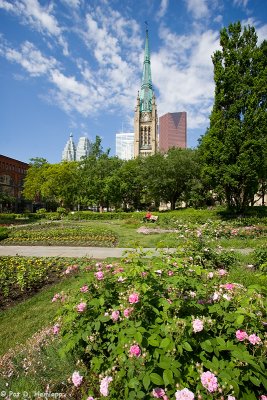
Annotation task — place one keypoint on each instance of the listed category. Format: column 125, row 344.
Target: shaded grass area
column 21, row 321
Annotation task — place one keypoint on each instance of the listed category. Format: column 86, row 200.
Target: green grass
column 20, row 322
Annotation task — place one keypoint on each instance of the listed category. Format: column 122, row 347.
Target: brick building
column 172, row 131
column 12, row 173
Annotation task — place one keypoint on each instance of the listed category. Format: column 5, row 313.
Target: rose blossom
column 84, row 289
column 170, row 273
column 263, row 397
column 222, row 272
column 209, row 381
column 241, row 335
column 158, row 393
column 56, row 297
column 135, row 350
column 184, row 394
column 115, row 315
column 210, row 275
column 254, row 339
column 231, row 398
column 99, row 275
column 104, row 385
column 229, row 286
column 90, row 398
column 81, row 307
column 197, row 325
column 56, row 329
column 127, row 312
column 76, row 378
column 134, row 298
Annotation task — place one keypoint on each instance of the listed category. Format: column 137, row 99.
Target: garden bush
column 167, row 328
column 3, row 233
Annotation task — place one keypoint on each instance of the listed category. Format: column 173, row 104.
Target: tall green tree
column 233, row 148
column 169, row 175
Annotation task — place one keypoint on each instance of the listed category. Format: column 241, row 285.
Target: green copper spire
column 146, row 93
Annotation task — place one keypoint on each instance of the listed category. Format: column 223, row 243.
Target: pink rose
column 127, row 312
column 56, row 329
column 135, row 351
column 76, row 378
column 263, row 397
column 241, row 335
column 158, row 393
column 184, row 394
column 104, row 385
column 229, row 286
column 99, row 275
column 170, row 273
column 84, row 289
column 209, row 381
column 81, row 307
column 222, row 272
column 134, row 298
column 231, row 398
column 115, row 315
column 254, row 339
column 56, row 297
column 197, row 325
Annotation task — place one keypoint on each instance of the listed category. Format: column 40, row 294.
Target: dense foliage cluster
column 168, row 328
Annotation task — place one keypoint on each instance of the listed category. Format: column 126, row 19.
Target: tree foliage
column 234, row 147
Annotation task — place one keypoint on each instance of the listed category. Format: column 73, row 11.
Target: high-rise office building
column 83, row 148
column 69, row 152
column 172, row 131
column 145, row 116
column 125, row 145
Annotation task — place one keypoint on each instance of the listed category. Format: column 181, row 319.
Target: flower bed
column 20, row 275
column 170, row 329
column 58, row 235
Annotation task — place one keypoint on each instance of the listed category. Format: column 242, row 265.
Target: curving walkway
column 61, row 251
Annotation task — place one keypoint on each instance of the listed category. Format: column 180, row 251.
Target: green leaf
column 101, row 301
column 153, row 341
column 207, row 346
column 239, row 320
column 133, row 383
column 165, row 343
column 146, row 381
column 167, row 377
column 255, row 380
column 138, row 337
column 187, row 346
column 156, row 378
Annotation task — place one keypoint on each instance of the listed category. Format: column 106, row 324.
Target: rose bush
column 168, row 328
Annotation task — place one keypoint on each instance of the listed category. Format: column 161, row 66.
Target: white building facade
column 125, row 146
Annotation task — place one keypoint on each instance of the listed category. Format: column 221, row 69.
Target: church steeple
column 145, row 116
column 146, row 93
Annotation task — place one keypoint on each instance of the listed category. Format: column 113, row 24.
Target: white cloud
column 40, row 18
column 182, row 72
column 6, row 5
column 30, row 58
column 72, row 3
column 163, row 8
column 198, row 8
column 241, row 3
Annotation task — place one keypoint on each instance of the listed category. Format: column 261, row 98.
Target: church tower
column 145, row 115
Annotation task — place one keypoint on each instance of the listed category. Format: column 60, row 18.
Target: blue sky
column 76, row 66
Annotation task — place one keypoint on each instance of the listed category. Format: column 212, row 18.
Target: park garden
column 186, row 324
